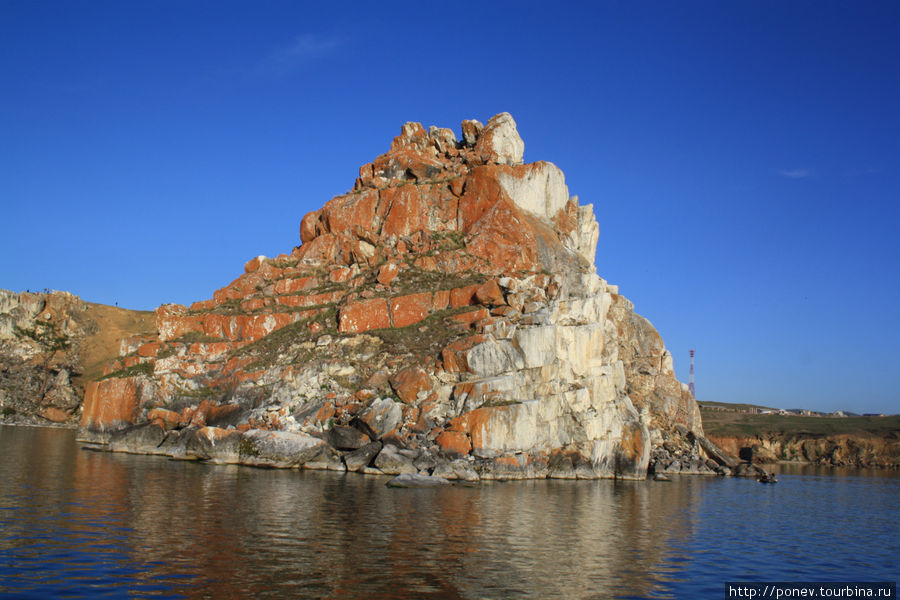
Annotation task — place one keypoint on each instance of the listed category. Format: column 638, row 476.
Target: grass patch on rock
column 266, row 350
column 425, row 338
column 413, row 280
column 197, row 337
column 140, row 369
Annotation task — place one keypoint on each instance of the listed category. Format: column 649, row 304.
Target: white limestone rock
column 499, row 141
column 541, row 190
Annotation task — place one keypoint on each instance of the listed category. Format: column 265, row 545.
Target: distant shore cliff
column 861, row 449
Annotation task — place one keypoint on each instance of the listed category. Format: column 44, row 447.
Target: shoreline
column 100, row 447
column 184, row 447
column 277, row 450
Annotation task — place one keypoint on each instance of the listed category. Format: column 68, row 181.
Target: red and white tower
column 691, row 384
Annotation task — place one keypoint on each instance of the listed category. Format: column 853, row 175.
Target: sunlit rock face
column 443, row 317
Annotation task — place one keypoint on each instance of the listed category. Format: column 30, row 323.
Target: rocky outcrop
column 51, row 345
column 39, row 335
column 443, row 317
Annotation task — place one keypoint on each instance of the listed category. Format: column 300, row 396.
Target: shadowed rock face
column 443, row 316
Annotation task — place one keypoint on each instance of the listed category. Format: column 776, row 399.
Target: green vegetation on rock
column 144, row 368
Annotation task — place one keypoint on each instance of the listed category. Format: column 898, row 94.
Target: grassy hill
column 114, row 325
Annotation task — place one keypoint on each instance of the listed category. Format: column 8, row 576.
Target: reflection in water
column 96, row 523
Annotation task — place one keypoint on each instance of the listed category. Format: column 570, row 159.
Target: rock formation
column 444, row 317
column 50, row 343
column 37, row 360
column 859, row 449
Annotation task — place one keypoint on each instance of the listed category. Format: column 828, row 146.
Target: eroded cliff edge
column 445, row 316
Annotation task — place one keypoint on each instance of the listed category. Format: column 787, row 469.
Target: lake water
column 78, row 523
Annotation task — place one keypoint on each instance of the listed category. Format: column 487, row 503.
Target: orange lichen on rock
column 111, row 404
column 169, row 418
column 387, row 273
column 454, row 442
column 408, row 382
column 409, row 310
column 149, row 349
column 364, row 315
column 464, row 296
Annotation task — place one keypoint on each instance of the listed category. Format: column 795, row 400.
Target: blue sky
column 743, row 158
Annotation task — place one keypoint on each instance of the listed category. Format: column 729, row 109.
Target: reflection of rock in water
column 243, row 532
column 124, row 521
column 605, row 538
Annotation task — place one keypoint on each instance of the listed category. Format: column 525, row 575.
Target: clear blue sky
column 743, row 158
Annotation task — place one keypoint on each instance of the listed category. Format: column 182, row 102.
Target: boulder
column 54, row 415
column 347, row 438
column 499, row 141
column 282, row 449
column 414, row 480
column 175, row 444
column 359, row 459
column 381, row 417
column 471, row 129
column 411, row 309
column 364, row 315
column 217, row 445
column 456, row 469
column 140, row 439
column 387, row 273
column 715, row 453
column 392, row 462
column 408, row 383
column 748, row 470
column 328, row 459
column 111, row 404
column 489, row 293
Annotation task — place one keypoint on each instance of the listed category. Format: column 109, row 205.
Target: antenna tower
column 691, row 384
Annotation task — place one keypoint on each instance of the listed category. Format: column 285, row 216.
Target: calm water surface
column 76, row 523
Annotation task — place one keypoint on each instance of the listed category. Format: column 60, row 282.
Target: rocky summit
column 443, row 318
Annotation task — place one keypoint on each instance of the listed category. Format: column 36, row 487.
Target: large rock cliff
column 445, row 316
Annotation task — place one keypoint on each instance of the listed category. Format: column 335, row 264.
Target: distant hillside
column 740, row 424
column 732, row 407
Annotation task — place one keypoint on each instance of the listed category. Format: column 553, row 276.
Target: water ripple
column 85, row 524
